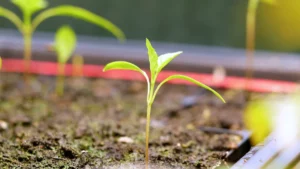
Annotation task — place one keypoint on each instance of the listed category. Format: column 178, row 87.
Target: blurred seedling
column 27, row 26
column 250, row 34
column 157, row 63
column 77, row 65
column 65, row 44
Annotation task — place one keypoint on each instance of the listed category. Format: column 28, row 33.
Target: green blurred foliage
column 207, row 22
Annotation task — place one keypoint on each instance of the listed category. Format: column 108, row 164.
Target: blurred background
column 205, row 22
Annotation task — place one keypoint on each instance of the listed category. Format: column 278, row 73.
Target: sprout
column 250, row 34
column 65, row 43
column 77, row 65
column 156, row 65
column 28, row 26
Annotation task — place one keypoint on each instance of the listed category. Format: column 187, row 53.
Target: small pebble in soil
column 125, row 140
column 3, row 125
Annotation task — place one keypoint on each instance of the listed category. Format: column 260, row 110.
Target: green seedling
column 28, row 25
column 156, row 65
column 65, row 43
column 250, row 33
column 77, row 65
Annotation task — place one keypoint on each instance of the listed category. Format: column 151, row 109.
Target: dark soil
column 100, row 122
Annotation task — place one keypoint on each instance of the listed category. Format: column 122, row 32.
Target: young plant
column 65, row 43
column 156, row 65
column 250, row 33
column 28, row 25
column 77, row 65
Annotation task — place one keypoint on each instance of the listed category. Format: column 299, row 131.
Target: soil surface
column 99, row 123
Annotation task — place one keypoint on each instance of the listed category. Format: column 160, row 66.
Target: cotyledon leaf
column 123, row 65
column 80, row 13
column 12, row 17
column 190, row 80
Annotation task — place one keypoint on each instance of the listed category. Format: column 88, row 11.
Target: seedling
column 27, row 26
column 156, row 65
column 77, row 65
column 250, row 33
column 65, row 43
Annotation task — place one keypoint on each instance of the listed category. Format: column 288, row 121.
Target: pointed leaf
column 164, row 59
column 153, row 58
column 190, row 80
column 80, row 13
column 123, row 65
column 30, row 6
column 65, row 43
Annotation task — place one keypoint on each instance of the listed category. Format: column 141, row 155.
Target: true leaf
column 30, row 6
column 153, row 58
column 65, row 43
column 164, row 59
column 190, row 80
column 80, row 13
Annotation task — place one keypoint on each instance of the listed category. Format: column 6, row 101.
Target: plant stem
column 27, row 51
column 60, row 79
column 250, row 38
column 27, row 35
column 147, row 135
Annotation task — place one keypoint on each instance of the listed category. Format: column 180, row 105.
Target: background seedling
column 27, row 26
column 65, row 43
column 77, row 65
column 156, row 65
column 250, row 34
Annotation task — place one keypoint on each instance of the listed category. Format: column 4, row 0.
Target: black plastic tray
column 233, row 155
column 242, row 148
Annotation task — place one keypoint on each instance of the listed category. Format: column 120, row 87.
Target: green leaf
column 30, row 6
column 12, row 17
column 164, row 59
column 271, row 2
column 123, row 65
column 190, row 80
column 153, row 59
column 79, row 13
column 65, row 43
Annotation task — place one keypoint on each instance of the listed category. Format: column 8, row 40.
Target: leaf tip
column 104, row 69
column 147, row 41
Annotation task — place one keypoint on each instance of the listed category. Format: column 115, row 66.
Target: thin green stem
column 60, row 79
column 149, row 105
column 27, row 50
column 27, row 35
column 250, row 37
